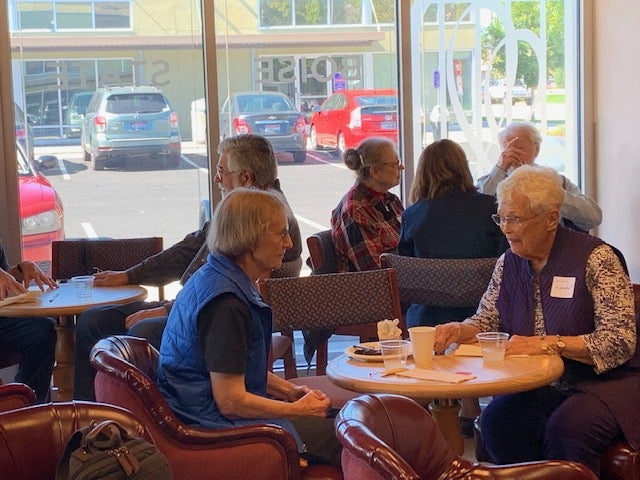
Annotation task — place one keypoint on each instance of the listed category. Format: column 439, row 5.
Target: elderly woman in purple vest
column 557, row 292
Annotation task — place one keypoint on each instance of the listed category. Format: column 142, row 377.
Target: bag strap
column 74, row 442
column 105, row 435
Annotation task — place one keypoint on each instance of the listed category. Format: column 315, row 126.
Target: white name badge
column 563, row 287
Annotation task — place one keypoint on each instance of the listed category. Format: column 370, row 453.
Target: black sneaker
column 466, row 426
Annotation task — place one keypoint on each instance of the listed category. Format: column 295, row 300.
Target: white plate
column 351, row 352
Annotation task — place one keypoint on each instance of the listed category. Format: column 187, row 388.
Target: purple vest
column 619, row 388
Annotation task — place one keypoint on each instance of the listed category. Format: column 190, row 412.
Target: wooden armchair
column 87, row 256
column 391, row 437
column 127, row 371
column 330, row 301
column 33, row 438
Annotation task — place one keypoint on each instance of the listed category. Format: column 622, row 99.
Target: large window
column 55, row 15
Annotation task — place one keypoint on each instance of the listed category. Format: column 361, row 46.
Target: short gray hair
column 251, row 153
column 540, row 186
column 518, row 128
column 241, row 220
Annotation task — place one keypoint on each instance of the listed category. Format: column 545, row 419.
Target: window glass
column 36, row 15
column 74, row 15
column 131, row 168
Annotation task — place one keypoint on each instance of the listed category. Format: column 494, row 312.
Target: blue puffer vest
column 183, row 377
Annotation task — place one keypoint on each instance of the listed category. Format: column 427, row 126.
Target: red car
column 41, row 212
column 347, row 117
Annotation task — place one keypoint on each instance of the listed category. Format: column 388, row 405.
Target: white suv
column 519, row 92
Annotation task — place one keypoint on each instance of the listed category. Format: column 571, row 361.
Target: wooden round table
column 514, row 374
column 64, row 304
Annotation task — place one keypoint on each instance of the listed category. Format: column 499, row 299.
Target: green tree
column 526, row 15
column 275, row 13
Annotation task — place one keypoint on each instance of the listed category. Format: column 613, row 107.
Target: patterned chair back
column 441, row 282
column 87, row 256
column 328, row 301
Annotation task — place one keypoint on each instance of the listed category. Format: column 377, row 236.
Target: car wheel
column 313, row 139
column 87, row 156
column 299, row 156
column 341, row 144
column 174, row 161
column 98, row 163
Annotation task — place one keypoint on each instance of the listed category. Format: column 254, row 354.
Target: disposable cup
column 84, row 285
column 492, row 345
column 394, row 353
column 422, row 345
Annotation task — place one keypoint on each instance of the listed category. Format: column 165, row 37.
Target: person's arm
column 582, row 210
column 488, row 184
column 168, row 265
column 486, row 318
column 614, row 339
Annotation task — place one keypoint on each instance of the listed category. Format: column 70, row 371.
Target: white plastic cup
column 493, row 345
column 394, row 353
column 422, row 345
column 84, row 285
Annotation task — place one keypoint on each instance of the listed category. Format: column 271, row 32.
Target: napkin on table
column 424, row 374
column 389, row 330
column 27, row 297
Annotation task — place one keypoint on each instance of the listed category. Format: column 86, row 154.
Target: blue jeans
column 100, row 322
column 35, row 340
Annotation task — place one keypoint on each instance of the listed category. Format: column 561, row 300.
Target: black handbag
column 106, row 451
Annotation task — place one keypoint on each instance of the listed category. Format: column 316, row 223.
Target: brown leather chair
column 618, row 462
column 16, row 395
column 389, row 437
column 127, row 371
column 33, row 438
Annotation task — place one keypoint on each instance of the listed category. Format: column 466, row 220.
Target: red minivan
column 347, row 117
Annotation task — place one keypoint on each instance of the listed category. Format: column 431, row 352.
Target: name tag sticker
column 563, row 287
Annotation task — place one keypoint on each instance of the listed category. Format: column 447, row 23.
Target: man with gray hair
column 520, row 144
column 245, row 161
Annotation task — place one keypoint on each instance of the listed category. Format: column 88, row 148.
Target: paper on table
column 27, row 297
column 468, row 350
column 424, row 374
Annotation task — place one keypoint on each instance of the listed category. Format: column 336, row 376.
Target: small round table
column 514, row 374
column 64, row 304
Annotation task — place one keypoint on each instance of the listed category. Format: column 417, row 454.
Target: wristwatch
column 560, row 345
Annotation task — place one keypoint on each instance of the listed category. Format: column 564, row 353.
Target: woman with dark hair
column 448, row 218
column 366, row 222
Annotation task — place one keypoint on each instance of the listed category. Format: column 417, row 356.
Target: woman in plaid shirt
column 366, row 222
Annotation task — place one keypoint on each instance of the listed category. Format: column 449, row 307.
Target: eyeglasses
column 221, row 173
column 395, row 164
column 514, row 221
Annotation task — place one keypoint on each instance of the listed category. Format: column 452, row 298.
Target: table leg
column 63, row 370
column 445, row 413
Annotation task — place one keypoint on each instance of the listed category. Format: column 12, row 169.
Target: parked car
column 74, row 113
column 270, row 114
column 41, row 211
column 519, row 92
column 347, row 117
column 126, row 122
column 24, row 134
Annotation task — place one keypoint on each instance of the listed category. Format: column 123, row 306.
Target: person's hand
column 8, row 284
column 313, row 404
column 520, row 345
column 31, row 272
column 445, row 335
column 109, row 278
column 140, row 315
column 511, row 156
